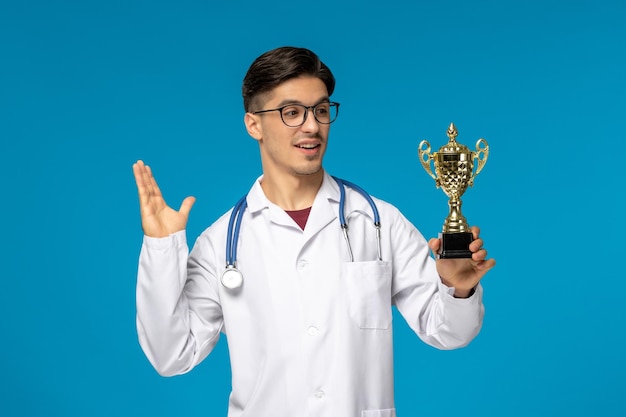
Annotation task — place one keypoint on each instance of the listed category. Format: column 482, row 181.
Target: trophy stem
column 455, row 222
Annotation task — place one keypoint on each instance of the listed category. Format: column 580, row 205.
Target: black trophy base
column 455, row 245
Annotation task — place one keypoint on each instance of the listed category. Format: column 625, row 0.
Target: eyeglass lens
column 294, row 115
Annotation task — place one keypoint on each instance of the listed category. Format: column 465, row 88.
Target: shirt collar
column 257, row 201
column 325, row 205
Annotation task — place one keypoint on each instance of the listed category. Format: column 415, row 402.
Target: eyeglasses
column 294, row 115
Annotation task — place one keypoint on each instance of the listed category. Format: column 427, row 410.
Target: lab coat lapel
column 323, row 211
column 257, row 202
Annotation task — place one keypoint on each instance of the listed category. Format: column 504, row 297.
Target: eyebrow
column 286, row 102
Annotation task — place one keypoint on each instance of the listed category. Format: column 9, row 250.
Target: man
column 309, row 329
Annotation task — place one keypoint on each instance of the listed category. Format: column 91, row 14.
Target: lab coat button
column 312, row 331
column 303, row 263
column 320, row 394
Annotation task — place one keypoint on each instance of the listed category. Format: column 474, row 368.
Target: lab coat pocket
column 388, row 412
column 368, row 291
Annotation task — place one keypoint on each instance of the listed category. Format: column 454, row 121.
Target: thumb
column 434, row 244
column 186, row 205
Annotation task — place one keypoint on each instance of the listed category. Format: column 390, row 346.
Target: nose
column 310, row 123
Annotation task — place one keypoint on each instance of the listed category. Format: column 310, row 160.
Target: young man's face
column 291, row 150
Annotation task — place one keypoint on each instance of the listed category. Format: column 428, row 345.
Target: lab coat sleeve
column 179, row 317
column 427, row 305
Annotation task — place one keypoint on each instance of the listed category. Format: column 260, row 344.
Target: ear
column 253, row 125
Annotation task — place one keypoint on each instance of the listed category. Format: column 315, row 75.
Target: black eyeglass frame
column 306, row 112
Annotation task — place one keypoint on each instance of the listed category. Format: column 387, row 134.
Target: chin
column 308, row 171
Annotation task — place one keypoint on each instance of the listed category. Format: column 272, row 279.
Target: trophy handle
column 423, row 150
column 481, row 154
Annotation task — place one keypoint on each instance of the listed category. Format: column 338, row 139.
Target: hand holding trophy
column 454, row 172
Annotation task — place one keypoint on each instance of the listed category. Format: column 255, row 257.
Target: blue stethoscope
column 232, row 278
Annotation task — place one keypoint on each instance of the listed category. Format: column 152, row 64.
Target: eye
column 292, row 112
column 322, row 109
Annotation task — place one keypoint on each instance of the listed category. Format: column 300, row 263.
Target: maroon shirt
column 300, row 216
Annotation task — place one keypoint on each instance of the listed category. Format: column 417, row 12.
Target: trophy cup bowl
column 454, row 173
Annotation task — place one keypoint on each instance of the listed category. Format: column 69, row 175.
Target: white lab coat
column 309, row 333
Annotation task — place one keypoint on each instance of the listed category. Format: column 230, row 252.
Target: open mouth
column 308, row 146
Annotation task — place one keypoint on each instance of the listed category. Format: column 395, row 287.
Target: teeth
column 307, row 146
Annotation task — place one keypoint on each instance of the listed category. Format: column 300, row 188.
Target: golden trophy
column 454, row 172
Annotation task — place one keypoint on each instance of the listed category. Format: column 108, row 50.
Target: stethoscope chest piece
column 231, row 278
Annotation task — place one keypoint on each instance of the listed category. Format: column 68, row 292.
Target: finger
column 154, row 187
column 186, row 205
column 142, row 176
column 475, row 231
column 138, row 173
column 476, row 245
column 486, row 265
column 479, row 255
column 140, row 179
column 147, row 177
column 434, row 244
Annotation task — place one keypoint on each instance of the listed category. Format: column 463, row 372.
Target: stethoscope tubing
column 232, row 278
column 231, row 242
column 342, row 218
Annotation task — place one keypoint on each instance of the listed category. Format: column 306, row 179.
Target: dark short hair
column 279, row 65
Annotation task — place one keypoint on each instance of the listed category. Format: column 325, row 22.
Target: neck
column 292, row 192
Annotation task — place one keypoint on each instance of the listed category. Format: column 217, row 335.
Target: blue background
column 87, row 88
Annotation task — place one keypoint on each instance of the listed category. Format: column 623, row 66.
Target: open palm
column 157, row 218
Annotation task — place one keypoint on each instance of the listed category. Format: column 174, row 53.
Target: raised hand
column 157, row 218
column 464, row 274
